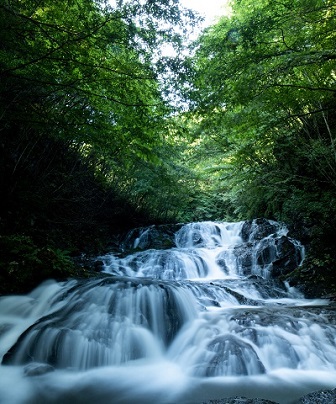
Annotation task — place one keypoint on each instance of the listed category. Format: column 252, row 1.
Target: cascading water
column 202, row 320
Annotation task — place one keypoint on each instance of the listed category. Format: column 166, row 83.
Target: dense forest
column 103, row 130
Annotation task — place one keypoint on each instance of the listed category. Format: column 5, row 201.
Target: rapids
column 206, row 318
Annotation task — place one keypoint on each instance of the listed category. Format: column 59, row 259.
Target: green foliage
column 84, row 123
column 317, row 275
column 89, row 74
column 24, row 264
column 77, row 73
column 263, row 90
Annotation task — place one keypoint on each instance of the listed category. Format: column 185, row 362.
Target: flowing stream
column 203, row 319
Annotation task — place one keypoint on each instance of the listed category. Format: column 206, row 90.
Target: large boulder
column 257, row 229
column 288, row 256
column 267, row 250
column 244, row 254
column 159, row 237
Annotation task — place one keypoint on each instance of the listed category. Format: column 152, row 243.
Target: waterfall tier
column 182, row 314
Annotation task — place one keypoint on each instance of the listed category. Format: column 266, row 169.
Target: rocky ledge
column 318, row 397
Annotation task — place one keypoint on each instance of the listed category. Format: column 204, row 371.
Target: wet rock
column 319, row 397
column 267, row 254
column 244, row 258
column 98, row 266
column 240, row 400
column 220, row 261
column 158, row 237
column 257, row 229
column 230, row 355
column 288, row 257
column 37, row 369
column 278, row 255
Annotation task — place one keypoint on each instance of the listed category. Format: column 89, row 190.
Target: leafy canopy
column 263, row 88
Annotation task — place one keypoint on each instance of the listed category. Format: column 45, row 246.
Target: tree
column 88, row 73
column 84, row 121
column 265, row 79
column 264, row 91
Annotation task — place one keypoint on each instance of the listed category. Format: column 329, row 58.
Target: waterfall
column 180, row 314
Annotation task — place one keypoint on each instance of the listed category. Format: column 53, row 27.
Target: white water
column 184, row 325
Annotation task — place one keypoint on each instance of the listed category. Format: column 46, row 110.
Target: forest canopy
column 263, row 91
column 101, row 131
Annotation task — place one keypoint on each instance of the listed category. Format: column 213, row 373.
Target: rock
column 229, row 357
column 319, row 397
column 98, row 266
column 220, row 261
column 267, row 254
column 257, row 229
column 37, row 369
column 159, row 237
column 240, row 400
column 244, row 257
column 288, row 257
column 278, row 254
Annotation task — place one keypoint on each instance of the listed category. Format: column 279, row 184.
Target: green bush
column 24, row 264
